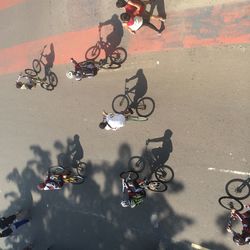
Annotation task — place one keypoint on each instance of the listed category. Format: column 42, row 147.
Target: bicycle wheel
column 230, row 203
column 136, row 163
column 92, row 53
column 81, row 168
column 57, row 170
column 145, row 107
column 53, row 80
column 36, row 66
column 238, row 189
column 77, row 179
column 136, row 118
column 164, row 174
column 157, row 186
column 30, row 72
column 47, row 86
column 118, row 56
column 129, row 176
column 120, row 103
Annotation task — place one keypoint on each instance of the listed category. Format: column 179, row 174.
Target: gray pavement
column 201, row 95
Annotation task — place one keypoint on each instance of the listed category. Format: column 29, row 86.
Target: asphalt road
column 201, row 94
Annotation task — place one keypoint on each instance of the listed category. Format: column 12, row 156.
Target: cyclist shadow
column 114, row 38
column 160, row 155
column 139, row 89
column 70, row 155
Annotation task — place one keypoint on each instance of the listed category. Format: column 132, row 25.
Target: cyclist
column 27, row 82
column 244, row 237
column 136, row 194
column 114, row 121
column 52, row 182
column 84, row 69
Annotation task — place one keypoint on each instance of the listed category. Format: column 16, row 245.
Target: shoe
column 131, row 111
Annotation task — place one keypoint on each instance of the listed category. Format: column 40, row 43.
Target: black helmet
column 238, row 239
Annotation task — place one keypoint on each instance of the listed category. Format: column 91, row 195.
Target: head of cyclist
column 125, row 17
column 121, row 3
column 125, row 203
column 19, row 85
column 239, row 239
column 102, row 125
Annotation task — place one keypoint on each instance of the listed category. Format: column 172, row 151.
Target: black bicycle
column 230, row 203
column 117, row 57
column 163, row 173
column 131, row 176
column 238, row 188
column 144, row 107
column 36, row 69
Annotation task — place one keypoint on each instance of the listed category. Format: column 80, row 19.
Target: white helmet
column 125, row 203
column 70, row 74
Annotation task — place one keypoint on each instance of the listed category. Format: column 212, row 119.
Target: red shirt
column 131, row 9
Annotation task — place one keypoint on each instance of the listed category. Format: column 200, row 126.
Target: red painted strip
column 4, row 4
column 221, row 24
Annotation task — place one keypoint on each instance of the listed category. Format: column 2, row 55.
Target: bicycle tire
column 76, row 179
column 118, row 56
column 137, row 118
column 145, row 106
column 120, row 103
column 93, row 52
column 57, row 170
column 30, row 72
column 132, row 175
column 81, row 168
column 47, row 86
column 233, row 189
column 157, row 186
column 137, row 163
column 230, row 203
column 164, row 174
column 53, row 80
column 36, row 65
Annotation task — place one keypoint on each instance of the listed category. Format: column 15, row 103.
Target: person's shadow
column 114, row 38
column 161, row 154
column 50, row 58
column 160, row 6
column 140, row 88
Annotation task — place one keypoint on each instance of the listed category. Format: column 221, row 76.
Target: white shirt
column 115, row 121
column 138, row 21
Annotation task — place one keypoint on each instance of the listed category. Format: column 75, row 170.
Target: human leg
column 147, row 23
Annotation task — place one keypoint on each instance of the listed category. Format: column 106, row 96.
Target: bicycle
column 144, row 107
column 230, row 203
column 68, row 175
column 163, row 173
column 118, row 55
column 36, row 69
column 238, row 188
column 131, row 176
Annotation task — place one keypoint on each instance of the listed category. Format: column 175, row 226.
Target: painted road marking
column 195, row 246
column 208, row 26
column 229, row 171
column 4, row 4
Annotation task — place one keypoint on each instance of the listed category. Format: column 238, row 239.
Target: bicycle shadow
column 162, row 154
column 140, row 88
column 70, row 155
column 114, row 38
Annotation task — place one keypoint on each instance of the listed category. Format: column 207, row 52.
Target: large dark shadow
column 89, row 215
